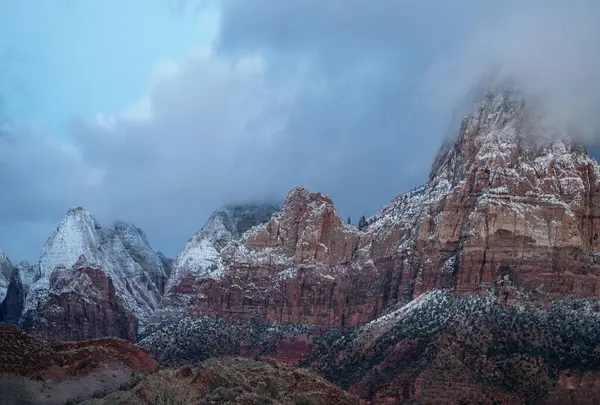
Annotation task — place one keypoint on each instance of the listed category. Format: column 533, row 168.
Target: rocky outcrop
column 93, row 282
column 508, row 199
column 167, row 263
column 81, row 303
column 234, row 381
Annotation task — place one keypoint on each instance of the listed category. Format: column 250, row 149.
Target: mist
column 548, row 51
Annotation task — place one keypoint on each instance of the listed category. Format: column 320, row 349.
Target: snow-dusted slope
column 122, row 252
column 201, row 256
column 6, row 269
column 135, row 242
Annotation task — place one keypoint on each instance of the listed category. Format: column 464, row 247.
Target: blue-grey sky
column 160, row 111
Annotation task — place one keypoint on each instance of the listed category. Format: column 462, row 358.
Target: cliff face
column 509, row 199
column 81, row 303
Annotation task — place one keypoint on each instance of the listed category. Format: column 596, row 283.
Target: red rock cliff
column 508, row 199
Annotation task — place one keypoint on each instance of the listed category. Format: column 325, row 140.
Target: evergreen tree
column 362, row 223
column 349, row 222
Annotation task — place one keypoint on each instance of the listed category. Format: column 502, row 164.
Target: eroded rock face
column 509, row 199
column 82, row 303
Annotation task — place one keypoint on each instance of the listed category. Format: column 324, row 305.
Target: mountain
column 200, row 258
column 454, row 291
column 93, row 281
column 508, row 199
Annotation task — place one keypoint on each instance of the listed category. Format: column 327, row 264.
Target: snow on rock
column 508, row 198
column 121, row 252
column 201, row 257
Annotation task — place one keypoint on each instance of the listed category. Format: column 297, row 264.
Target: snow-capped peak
column 122, row 252
column 201, row 255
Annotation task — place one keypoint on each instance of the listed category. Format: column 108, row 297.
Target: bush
column 160, row 391
column 98, row 394
column 221, row 394
column 15, row 391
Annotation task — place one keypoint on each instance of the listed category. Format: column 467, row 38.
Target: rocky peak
column 132, row 272
column 308, row 228
column 136, row 244
column 22, row 277
column 201, row 256
column 508, row 143
column 231, row 221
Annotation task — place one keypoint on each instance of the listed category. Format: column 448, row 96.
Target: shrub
column 160, row 391
column 221, row 394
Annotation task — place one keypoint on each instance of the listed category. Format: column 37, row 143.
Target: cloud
column 336, row 96
column 548, row 50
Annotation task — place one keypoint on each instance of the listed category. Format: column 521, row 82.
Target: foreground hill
column 233, row 381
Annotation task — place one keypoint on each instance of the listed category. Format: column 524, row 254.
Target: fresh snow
column 202, row 255
column 79, row 234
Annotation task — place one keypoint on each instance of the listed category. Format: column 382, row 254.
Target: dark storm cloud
column 351, row 98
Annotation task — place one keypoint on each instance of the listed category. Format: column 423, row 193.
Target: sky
column 158, row 112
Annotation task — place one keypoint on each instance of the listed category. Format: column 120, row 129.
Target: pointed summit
column 117, row 261
column 201, row 255
column 77, row 234
column 506, row 144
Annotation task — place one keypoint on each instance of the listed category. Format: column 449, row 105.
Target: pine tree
column 349, row 222
column 362, row 223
